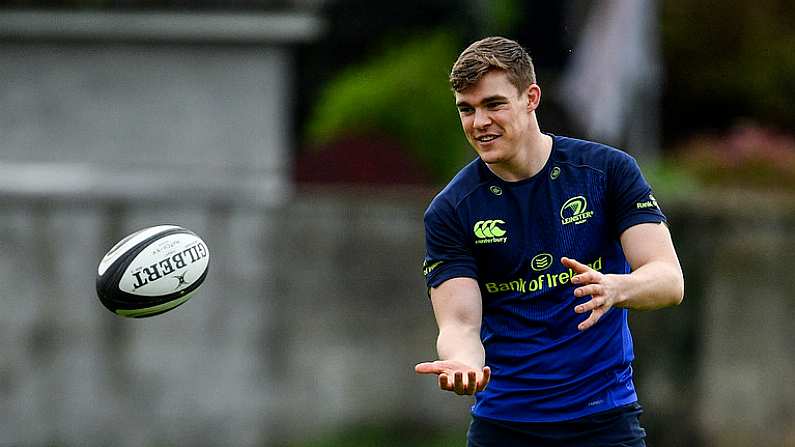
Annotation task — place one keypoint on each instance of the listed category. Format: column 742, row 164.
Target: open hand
column 456, row 376
column 603, row 289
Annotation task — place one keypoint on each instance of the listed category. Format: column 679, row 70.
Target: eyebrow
column 484, row 101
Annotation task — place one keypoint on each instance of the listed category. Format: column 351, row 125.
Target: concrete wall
column 114, row 122
column 744, row 250
column 75, row 374
column 104, row 117
column 147, row 105
column 314, row 314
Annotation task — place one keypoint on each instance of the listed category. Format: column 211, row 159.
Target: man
column 536, row 251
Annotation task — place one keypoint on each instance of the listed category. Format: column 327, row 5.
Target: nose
column 482, row 119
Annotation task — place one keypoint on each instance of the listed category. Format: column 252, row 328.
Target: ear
column 533, row 97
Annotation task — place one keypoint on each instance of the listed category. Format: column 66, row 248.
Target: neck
column 529, row 161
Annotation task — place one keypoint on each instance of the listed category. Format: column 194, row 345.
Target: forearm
column 458, row 309
column 652, row 286
column 461, row 344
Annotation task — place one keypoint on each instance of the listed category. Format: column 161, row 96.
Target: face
column 497, row 118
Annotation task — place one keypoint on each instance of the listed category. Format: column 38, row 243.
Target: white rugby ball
column 152, row 271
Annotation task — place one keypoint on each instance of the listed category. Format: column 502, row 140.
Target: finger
column 575, row 265
column 444, row 382
column 472, row 382
column 485, row 379
column 593, row 304
column 590, row 289
column 590, row 277
column 458, row 380
column 591, row 320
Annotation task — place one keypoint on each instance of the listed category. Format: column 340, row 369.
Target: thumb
column 428, row 368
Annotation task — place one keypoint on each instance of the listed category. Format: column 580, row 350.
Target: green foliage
column 670, row 182
column 402, row 92
column 501, row 16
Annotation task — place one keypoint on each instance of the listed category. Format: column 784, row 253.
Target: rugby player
column 535, row 253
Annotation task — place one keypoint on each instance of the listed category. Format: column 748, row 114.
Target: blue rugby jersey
column 510, row 237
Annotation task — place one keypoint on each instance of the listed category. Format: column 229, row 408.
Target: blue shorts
column 619, row 427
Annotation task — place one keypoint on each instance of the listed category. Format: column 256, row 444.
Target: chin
column 490, row 157
column 493, row 162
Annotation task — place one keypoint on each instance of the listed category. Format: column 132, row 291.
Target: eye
column 465, row 110
column 495, row 104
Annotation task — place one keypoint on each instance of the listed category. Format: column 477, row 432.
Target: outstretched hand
column 456, row 377
column 603, row 289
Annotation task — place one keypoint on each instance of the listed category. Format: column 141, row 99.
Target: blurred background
column 303, row 139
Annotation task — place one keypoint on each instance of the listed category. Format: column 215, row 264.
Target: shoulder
column 468, row 180
column 589, row 154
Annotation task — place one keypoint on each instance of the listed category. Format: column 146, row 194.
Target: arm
column 458, row 310
column 655, row 282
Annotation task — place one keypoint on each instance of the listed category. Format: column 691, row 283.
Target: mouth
column 486, row 138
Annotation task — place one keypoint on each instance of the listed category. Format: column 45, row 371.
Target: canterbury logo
column 489, row 231
column 575, row 210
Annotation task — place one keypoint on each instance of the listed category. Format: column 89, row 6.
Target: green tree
column 402, row 92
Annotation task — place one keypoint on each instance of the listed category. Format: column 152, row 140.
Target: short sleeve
column 447, row 255
column 632, row 198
